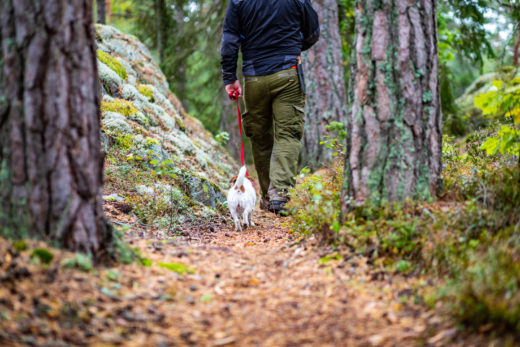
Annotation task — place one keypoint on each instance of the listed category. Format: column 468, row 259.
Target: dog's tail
column 241, row 175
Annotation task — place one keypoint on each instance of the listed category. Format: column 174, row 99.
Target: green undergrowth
column 469, row 240
column 112, row 63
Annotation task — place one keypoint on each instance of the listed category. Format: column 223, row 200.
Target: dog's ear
column 253, row 182
column 233, row 180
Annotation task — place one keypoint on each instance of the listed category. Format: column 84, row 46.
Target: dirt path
column 259, row 287
column 262, row 287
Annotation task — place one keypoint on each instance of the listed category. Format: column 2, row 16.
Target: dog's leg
column 251, row 219
column 238, row 225
column 245, row 218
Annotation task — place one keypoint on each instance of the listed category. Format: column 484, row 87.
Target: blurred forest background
column 475, row 38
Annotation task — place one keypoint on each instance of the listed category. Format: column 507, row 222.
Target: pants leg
column 258, row 126
column 288, row 105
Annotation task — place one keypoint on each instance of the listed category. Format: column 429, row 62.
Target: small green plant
column 113, row 275
column 222, row 138
column 336, row 140
column 403, row 266
column 79, row 261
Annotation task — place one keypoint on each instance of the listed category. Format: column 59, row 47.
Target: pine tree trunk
column 394, row 134
column 101, row 11
column 180, row 76
column 160, row 9
column 108, row 10
column 51, row 165
column 326, row 94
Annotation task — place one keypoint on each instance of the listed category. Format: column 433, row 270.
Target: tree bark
column 394, row 134
column 160, row 9
column 101, row 11
column 108, row 9
column 51, row 165
column 326, row 88
column 180, row 76
column 516, row 47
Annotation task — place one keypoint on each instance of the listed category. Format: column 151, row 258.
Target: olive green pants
column 274, row 122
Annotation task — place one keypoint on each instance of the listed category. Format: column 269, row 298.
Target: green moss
column 43, row 255
column 20, row 245
column 146, row 91
column 177, row 267
column 119, row 106
column 112, row 63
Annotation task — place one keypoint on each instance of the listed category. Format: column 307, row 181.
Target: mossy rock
column 203, row 191
column 112, row 63
column 119, row 106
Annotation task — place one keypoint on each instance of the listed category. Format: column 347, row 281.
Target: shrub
column 315, row 200
column 489, row 290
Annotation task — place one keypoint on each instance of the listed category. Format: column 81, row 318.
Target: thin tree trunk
column 101, row 11
column 160, row 8
column 51, row 165
column 394, row 134
column 326, row 91
column 180, row 81
column 516, row 47
column 108, row 10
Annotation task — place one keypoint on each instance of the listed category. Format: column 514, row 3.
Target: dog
column 241, row 199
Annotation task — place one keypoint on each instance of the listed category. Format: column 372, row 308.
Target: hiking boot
column 264, row 204
column 278, row 207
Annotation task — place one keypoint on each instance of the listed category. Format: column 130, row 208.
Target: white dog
column 241, row 199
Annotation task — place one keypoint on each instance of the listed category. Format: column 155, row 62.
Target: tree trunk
column 326, row 92
column 394, row 134
column 108, row 9
column 160, row 9
column 101, row 11
column 516, row 47
column 51, row 165
column 180, row 76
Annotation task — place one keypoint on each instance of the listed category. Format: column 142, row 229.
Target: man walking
column 271, row 35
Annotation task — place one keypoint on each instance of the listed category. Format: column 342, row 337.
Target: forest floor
column 259, row 287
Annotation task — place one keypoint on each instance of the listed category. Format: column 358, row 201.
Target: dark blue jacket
column 271, row 34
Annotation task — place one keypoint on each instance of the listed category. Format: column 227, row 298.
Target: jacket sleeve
column 310, row 26
column 230, row 44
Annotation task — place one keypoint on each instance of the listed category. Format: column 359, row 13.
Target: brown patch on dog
column 242, row 189
column 233, row 179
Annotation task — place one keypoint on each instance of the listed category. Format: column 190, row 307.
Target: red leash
column 234, row 96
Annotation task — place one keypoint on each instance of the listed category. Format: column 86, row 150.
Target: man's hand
column 231, row 88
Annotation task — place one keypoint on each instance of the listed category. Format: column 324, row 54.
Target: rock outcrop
column 160, row 160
